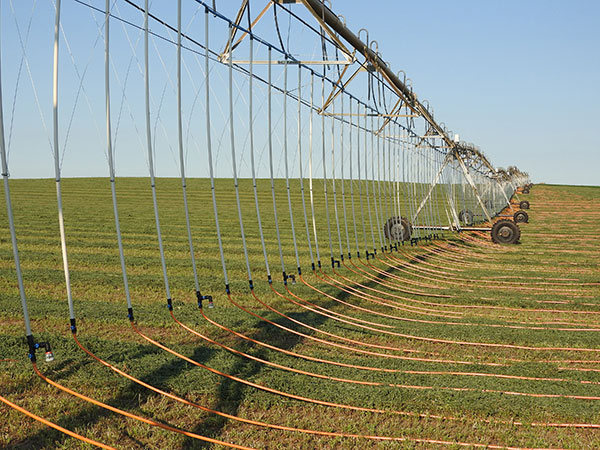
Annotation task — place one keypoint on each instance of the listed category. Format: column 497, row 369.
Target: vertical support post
column 61, row 220
column 301, row 172
column 181, row 155
column 285, row 152
column 234, row 169
column 209, row 147
column 9, row 211
column 310, row 166
column 252, row 162
column 150, row 153
column 109, row 149
column 270, row 142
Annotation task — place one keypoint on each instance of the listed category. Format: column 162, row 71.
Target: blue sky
column 520, row 79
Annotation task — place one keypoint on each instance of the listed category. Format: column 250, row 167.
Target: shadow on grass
column 127, row 398
column 230, row 393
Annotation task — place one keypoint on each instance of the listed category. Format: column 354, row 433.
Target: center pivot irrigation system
column 281, row 93
column 402, row 124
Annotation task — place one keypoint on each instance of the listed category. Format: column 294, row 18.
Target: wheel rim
column 397, row 229
column 466, row 216
column 397, row 232
column 505, row 233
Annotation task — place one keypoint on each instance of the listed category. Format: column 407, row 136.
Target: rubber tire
column 464, row 215
column 394, row 222
column 524, row 204
column 521, row 217
column 526, row 191
column 505, row 232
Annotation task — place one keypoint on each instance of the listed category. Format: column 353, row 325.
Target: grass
column 560, row 242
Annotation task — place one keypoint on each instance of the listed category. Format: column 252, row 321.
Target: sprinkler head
column 211, row 304
column 49, row 356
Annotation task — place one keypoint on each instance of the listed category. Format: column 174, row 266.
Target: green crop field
column 442, row 346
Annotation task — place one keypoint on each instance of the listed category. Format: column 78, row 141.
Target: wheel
column 397, row 229
column 524, row 204
column 526, row 191
column 505, row 232
column 466, row 216
column 521, row 217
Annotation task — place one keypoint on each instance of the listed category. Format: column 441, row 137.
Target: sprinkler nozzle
column 45, row 346
column 49, row 356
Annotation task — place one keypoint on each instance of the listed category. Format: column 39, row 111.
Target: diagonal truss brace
column 504, row 195
column 349, row 57
column 472, row 183
column 432, row 186
column 456, row 155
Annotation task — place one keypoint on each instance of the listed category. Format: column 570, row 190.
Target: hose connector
column 205, row 297
column 73, row 326
column 34, row 346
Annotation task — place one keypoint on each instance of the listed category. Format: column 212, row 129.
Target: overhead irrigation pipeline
column 387, row 187
column 463, row 160
column 477, row 161
column 289, row 60
column 470, row 159
column 319, row 9
column 328, row 17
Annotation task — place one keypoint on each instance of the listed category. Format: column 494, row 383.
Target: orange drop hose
column 55, row 426
column 134, row 416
